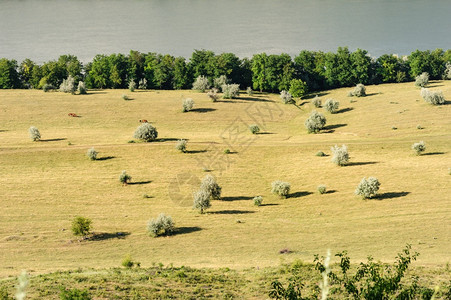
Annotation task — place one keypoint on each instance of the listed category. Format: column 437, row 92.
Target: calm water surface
column 44, row 29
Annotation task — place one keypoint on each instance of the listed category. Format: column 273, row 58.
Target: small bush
column 213, row 94
column 315, row 122
column 340, row 155
column 162, row 225
column 286, row 97
column 227, row 151
column 419, row 147
column 359, row 91
column 331, row 105
column 368, row 188
column 201, row 84
column 419, row 127
column 81, row 226
column 124, row 178
column 298, row 88
column 422, row 80
column 74, row 294
column 254, row 129
column 258, row 200
column 48, row 87
column 210, row 185
column 68, row 85
column 187, row 104
column 35, row 135
column 142, row 85
column 82, row 88
column 401, row 76
column 322, row 189
column 280, row 188
column 92, row 154
column 317, row 101
column 220, row 81
column 249, row 91
column 181, row 145
column 320, row 153
column 132, row 85
column 447, row 72
column 128, row 262
column 146, row 132
column 230, row 90
column 125, row 97
column 432, row 97
column 201, row 200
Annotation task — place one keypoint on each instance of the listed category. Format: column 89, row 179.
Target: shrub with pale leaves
column 124, row 178
column 201, row 84
column 368, row 187
column 68, row 85
column 286, row 97
column 92, row 154
column 181, row 145
column 422, row 80
column 210, row 185
column 146, row 132
column 340, row 155
column 213, row 94
column 322, row 189
column 132, row 85
column 35, row 135
column 331, row 105
column 220, row 81
column 201, row 200
column 317, row 101
column 280, row 188
column 162, row 225
column 187, row 104
column 432, row 97
column 230, row 91
column 258, row 200
column 82, row 88
column 142, row 85
column 359, row 91
column 419, row 147
column 254, row 129
column 315, row 122
column 249, row 91
column 447, row 72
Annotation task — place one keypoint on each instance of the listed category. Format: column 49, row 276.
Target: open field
column 45, row 184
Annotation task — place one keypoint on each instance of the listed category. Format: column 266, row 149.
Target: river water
column 44, row 29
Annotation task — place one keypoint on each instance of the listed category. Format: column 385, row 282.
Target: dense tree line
column 271, row 73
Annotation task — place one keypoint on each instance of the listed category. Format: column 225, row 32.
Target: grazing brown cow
column 142, row 121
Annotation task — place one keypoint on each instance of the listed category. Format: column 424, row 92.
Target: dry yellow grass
column 45, row 184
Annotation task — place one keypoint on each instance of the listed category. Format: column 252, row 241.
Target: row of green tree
column 271, row 73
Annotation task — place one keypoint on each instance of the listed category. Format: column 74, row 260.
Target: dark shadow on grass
column 433, row 153
column 161, row 140
column 236, row 198
column 101, row 236
column 265, row 133
column 232, row 212
column 195, row 151
column 92, row 93
column 390, row 195
column 3, row 130
column 299, row 194
column 363, row 163
column 334, row 126
column 203, row 110
column 106, row 158
column 270, row 204
column 186, row 230
column 434, row 85
column 372, row 94
column 313, row 95
column 447, row 103
column 140, row 182
column 53, row 140
column 343, row 110
column 254, row 99
column 331, row 191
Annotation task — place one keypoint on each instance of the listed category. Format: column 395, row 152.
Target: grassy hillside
column 45, row 184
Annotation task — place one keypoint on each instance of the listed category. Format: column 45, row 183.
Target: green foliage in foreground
column 346, row 281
